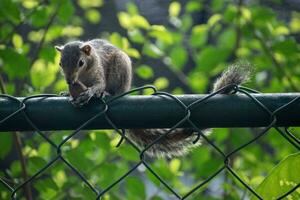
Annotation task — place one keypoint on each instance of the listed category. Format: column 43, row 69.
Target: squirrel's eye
column 59, row 63
column 80, row 63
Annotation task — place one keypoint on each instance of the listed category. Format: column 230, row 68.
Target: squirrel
column 96, row 68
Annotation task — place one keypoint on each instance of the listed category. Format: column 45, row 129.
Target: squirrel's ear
column 59, row 48
column 86, row 48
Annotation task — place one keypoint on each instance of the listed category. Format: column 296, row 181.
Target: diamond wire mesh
column 188, row 109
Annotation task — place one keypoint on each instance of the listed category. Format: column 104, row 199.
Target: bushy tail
column 180, row 141
column 174, row 144
column 235, row 74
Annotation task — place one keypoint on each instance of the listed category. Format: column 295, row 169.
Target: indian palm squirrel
column 96, row 67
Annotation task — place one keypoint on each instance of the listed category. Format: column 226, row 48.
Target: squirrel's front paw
column 83, row 98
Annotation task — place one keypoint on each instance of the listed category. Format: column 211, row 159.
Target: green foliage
column 282, row 179
column 182, row 54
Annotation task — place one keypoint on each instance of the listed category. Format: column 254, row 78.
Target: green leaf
column 288, row 47
column 9, row 10
column 144, row 72
column 175, row 165
column 17, row 41
column 5, row 143
column 39, row 18
column 230, row 13
column 211, row 57
column 132, row 8
column 197, row 81
column 281, row 179
column 227, row 39
column 214, row 19
column 140, row 21
column 135, row 35
column 135, row 188
column 178, row 56
column 135, row 21
column 295, row 22
column 5, row 31
column 69, row 31
column 30, row 4
column 132, row 52
column 174, row 9
column 125, row 20
column 262, row 16
column 15, row 64
column 66, row 11
column 43, row 73
column 161, row 83
column 35, row 163
column 199, row 35
column 90, row 4
column 217, row 5
column 116, row 39
column 47, row 188
column 93, row 16
column 152, row 50
column 193, row 6
column 161, row 33
column 48, row 53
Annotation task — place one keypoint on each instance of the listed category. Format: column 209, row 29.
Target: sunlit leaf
column 135, row 35
column 214, row 19
column 197, row 81
column 199, row 35
column 174, row 9
column 175, row 165
column 144, row 72
column 161, row 33
column 125, row 20
column 93, row 16
column 72, row 31
column 90, row 3
column 152, row 50
column 29, row 4
column 295, row 22
column 281, row 179
column 43, row 73
column 132, row 52
column 161, row 83
column 132, row 8
column 17, row 41
column 140, row 21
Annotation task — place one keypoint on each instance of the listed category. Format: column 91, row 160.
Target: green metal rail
column 56, row 113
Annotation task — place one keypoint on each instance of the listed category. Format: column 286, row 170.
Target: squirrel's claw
column 83, row 98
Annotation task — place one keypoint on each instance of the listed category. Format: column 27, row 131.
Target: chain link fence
column 187, row 111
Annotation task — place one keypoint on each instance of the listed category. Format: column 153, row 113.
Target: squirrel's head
column 75, row 59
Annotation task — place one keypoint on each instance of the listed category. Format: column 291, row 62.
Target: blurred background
column 180, row 47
